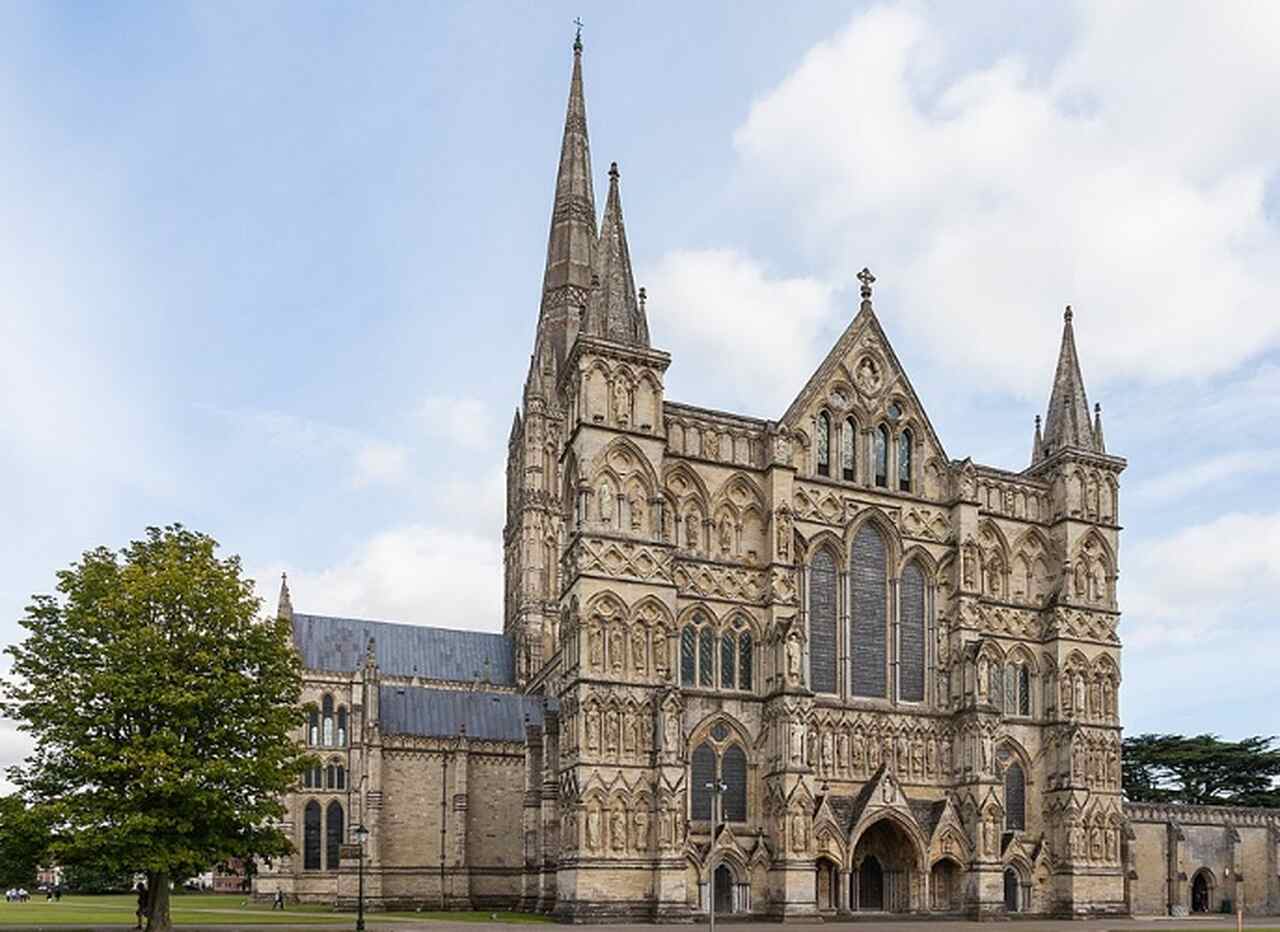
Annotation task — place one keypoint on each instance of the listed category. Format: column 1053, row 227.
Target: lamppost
column 716, row 787
column 362, row 835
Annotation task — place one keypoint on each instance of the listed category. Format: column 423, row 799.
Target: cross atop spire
column 1067, row 423
column 867, row 280
column 577, row 39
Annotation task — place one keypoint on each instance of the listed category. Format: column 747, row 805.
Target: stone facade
column 902, row 667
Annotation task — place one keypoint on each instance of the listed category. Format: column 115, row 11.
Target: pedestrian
column 142, row 903
column 278, row 901
column 57, row 892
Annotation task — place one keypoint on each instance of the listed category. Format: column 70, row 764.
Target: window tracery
column 824, row 444
column 904, row 461
column 714, row 656
column 882, row 456
column 848, row 444
column 822, row 623
column 869, row 612
column 718, row 756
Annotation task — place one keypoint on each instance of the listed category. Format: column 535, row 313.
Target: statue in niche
column 858, row 751
column 616, row 647
column 660, row 653
column 629, row 736
column 671, row 737
column 842, row 752
column 611, row 730
column 618, row 829
column 1081, row 577
column 711, row 444
column 640, row 822
column 988, row 836
column 984, row 674
column 1099, row 587
column 593, row 731
column 1079, row 694
column 691, row 532
column 827, row 752
column 797, row 743
column 622, row 402
column 868, row 376
column 635, row 505
column 726, row 535
column 593, row 829
column 931, row 758
column 666, row 827
column 799, row 834
column 970, row 560
column 605, row 502
column 1066, row 694
column 793, row 660
column 595, row 647
column 993, row 577
column 637, row 650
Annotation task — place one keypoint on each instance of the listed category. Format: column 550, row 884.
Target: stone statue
column 726, row 535
column 666, row 828
column 622, row 402
column 671, row 739
column 593, row 731
column 605, row 503
column 640, row 822
column 616, row 648
column 797, row 743
column 611, row 730
column 593, row 829
column 595, row 648
column 637, row 650
column 793, row 660
column 618, row 830
column 636, row 507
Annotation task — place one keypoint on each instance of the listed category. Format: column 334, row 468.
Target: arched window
column 1024, row 690
column 1015, row 798
column 1017, row 690
column 882, row 456
column 848, row 443
column 868, row 588
column 733, row 771
column 311, row 837
column 330, row 778
column 911, row 635
column 332, row 835
column 313, row 726
column 822, row 623
column 306, row 779
column 706, row 657
column 824, row 444
column 728, row 660
column 904, row 461
column 342, row 726
column 744, row 661
column 688, row 655
column 327, row 716
column 719, row 757
column 702, row 770
column 342, row 778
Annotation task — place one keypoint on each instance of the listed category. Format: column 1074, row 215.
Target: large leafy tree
column 161, row 707
column 24, row 842
column 1201, row 770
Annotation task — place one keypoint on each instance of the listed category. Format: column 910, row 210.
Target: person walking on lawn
column 142, row 903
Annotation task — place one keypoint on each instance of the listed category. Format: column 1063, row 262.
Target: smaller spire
column 284, row 604
column 1098, row 442
column 867, row 280
column 1037, row 445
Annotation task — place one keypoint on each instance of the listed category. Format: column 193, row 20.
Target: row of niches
column 881, row 456
column 1028, row 571
column 1020, row 686
column 1085, row 759
column 838, row 750
column 1092, row 837
column 736, row 447
column 617, row 396
column 621, row 823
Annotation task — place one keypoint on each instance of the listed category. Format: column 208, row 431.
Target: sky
column 272, row 271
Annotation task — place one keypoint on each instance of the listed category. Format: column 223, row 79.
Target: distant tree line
column 1201, row 770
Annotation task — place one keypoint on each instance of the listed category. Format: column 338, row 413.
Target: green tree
column 1201, row 770
column 24, row 842
column 161, row 707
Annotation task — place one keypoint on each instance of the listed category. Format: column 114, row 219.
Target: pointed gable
column 614, row 311
column 861, row 376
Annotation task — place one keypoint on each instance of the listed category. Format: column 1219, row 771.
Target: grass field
column 212, row 909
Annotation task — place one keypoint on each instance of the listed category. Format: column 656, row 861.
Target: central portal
column 884, row 864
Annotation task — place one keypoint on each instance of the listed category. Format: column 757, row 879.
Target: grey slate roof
column 338, row 645
column 419, row 710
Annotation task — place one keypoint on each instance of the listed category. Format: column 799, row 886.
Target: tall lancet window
column 904, row 461
column 869, row 590
column 911, row 635
column 848, row 441
column 824, row 444
column 882, row 456
column 822, row 623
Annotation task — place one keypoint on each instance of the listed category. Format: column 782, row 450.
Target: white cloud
column 416, row 573
column 1186, row 479
column 1202, row 580
column 467, row 422
column 380, row 463
column 720, row 307
column 1125, row 183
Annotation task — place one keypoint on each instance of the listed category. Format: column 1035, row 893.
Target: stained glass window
column 328, row 721
column 824, row 444
column 311, row 837
column 706, row 657
column 330, row 778
column 1015, row 798
column 342, row 727
column 848, row 439
column 904, row 461
column 701, row 772
column 870, row 613
column 911, row 635
column 332, row 835
column 822, row 623
column 1024, row 690
column 733, row 771
column 728, row 661
column 882, row 456
column 744, row 660
column 342, row 777
column 688, row 655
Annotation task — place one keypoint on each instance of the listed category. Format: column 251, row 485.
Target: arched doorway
column 723, row 889
column 1012, row 893
column 945, row 892
column 824, row 880
column 885, row 868
column 1202, row 892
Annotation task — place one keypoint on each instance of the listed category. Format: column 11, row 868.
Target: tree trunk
column 158, row 893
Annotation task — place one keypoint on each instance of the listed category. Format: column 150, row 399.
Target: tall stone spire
column 614, row 313
column 566, row 282
column 1067, row 423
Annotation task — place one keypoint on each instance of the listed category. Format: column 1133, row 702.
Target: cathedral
column 798, row 667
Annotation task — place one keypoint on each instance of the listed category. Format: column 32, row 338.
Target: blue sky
column 272, row 270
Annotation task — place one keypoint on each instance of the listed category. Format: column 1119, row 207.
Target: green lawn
column 213, row 909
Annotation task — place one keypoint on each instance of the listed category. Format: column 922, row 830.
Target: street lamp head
column 361, row 833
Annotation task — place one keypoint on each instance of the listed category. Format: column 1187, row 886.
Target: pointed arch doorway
column 886, row 865
column 723, row 890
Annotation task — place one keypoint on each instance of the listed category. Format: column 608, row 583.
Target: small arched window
column 333, row 835
column 824, row 444
column 327, row 723
column 313, row 726
column 342, row 726
column 706, row 657
column 1015, row 798
column 1024, row 690
column 342, row 778
column 722, row 759
column 688, row 655
column 848, row 443
column 904, row 461
column 311, row 837
column 330, row 778
column 882, row 456
column 712, row 659
column 744, row 660
column 306, row 779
